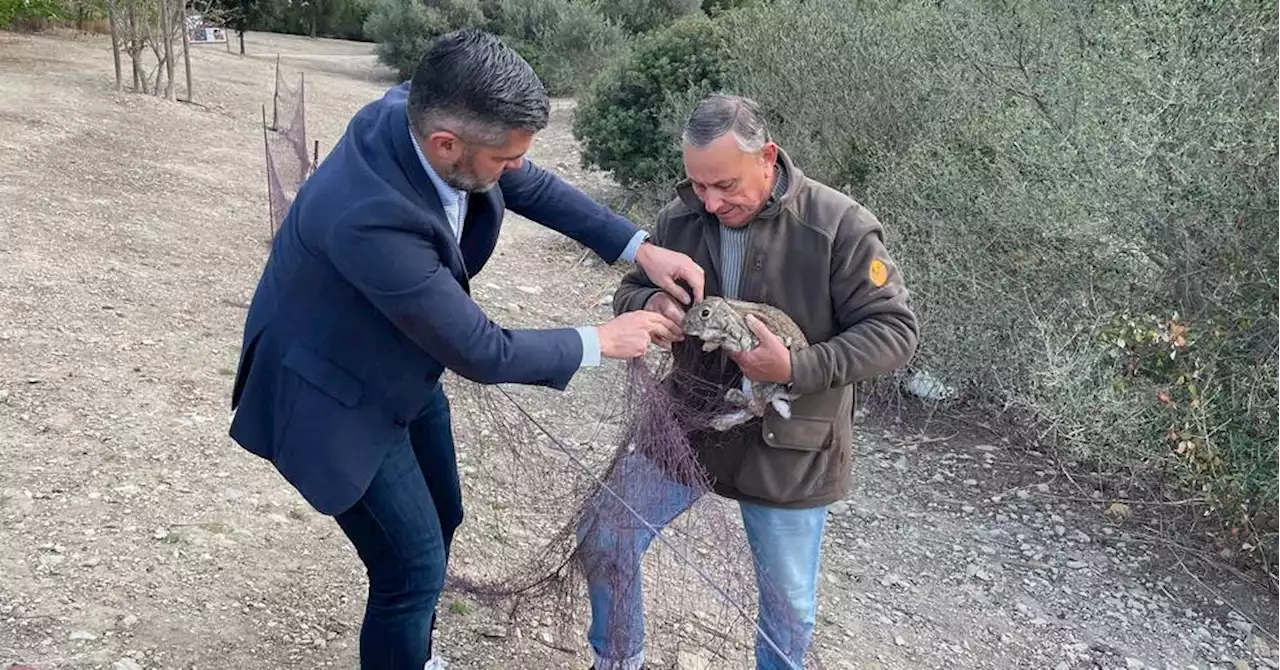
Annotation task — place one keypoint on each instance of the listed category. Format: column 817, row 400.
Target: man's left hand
column 664, row 267
column 768, row 362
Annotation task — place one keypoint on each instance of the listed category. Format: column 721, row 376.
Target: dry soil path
column 133, row 533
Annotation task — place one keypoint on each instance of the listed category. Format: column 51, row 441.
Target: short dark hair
column 470, row 83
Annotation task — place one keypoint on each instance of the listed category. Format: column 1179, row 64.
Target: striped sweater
column 733, row 244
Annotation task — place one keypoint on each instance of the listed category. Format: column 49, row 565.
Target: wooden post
column 275, row 98
column 266, row 147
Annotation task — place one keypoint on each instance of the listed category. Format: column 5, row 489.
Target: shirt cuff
column 629, row 254
column 590, row 347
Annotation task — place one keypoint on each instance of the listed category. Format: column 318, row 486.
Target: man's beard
column 461, row 175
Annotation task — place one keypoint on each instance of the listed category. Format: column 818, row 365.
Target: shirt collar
column 449, row 195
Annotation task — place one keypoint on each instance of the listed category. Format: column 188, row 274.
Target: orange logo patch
column 878, row 272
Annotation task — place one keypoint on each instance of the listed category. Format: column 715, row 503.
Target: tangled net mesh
column 623, row 505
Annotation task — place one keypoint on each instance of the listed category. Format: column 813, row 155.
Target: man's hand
column 628, row 335
column 665, row 305
column 665, row 267
column 769, row 362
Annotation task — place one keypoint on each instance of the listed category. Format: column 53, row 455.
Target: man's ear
column 769, row 153
column 444, row 144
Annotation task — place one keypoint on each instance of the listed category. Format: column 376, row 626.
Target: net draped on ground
column 550, row 509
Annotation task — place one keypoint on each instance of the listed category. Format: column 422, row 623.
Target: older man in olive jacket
column 767, row 234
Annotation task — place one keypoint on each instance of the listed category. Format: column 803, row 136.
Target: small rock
column 1243, row 628
column 967, row 509
column 126, row 664
column 1134, row 664
column 531, row 290
column 970, row 482
column 897, row 639
column 1076, row 565
column 838, row 508
column 4, row 395
column 82, row 636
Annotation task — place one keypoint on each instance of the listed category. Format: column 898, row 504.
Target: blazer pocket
column 335, row 382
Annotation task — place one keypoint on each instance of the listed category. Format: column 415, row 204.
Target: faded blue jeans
column 786, row 546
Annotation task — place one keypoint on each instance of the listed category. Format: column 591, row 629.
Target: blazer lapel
column 481, row 230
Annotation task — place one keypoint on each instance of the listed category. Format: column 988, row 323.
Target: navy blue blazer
column 365, row 300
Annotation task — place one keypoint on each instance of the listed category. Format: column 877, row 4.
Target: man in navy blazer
column 364, row 301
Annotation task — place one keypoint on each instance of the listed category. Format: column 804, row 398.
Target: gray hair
column 719, row 114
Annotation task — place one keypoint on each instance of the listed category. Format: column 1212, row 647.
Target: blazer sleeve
column 544, row 198
column 397, row 267
column 636, row 288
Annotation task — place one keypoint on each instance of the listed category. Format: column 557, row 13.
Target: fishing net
column 284, row 133
column 608, row 502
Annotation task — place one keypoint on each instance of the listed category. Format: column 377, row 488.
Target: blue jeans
column 402, row 529
column 785, row 544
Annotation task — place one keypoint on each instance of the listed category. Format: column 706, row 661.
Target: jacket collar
column 407, row 156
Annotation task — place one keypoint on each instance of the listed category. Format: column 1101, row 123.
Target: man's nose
column 712, row 202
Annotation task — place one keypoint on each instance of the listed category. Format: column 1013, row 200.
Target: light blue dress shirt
column 455, row 207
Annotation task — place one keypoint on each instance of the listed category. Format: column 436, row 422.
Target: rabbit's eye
column 706, row 311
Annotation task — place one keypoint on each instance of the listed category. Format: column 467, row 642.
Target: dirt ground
column 135, row 534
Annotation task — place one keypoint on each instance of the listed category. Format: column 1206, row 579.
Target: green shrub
column 625, row 122
column 642, row 16
column 15, row 13
column 566, row 41
column 1082, row 197
column 404, row 29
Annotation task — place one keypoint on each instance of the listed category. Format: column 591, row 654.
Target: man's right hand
column 662, row 303
column 628, row 335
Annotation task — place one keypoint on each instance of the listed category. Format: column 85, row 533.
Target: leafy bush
column 625, row 121
column 566, row 41
column 1099, row 179
column 642, row 16
column 17, row 13
column 404, row 29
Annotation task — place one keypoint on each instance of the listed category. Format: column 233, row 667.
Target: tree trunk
column 115, row 42
column 166, row 32
column 186, row 54
column 241, row 33
column 134, row 52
